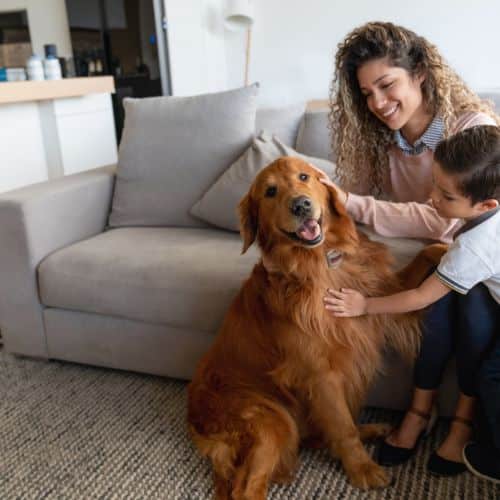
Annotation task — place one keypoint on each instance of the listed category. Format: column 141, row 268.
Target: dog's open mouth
column 309, row 232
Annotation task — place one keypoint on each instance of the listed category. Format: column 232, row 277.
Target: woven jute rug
column 76, row 432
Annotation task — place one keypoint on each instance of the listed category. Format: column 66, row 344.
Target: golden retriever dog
column 282, row 370
column 420, row 267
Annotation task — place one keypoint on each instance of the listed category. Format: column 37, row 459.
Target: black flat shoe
column 389, row 455
column 439, row 466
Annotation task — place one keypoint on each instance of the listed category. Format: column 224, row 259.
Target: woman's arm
column 347, row 302
column 410, row 219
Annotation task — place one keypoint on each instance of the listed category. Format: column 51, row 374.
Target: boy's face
column 448, row 200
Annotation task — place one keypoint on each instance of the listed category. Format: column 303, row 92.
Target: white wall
column 48, row 23
column 196, row 46
column 293, row 41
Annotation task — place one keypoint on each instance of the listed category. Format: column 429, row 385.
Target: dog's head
column 287, row 205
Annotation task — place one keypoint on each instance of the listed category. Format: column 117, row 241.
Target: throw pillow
column 173, row 149
column 284, row 122
column 218, row 206
column 314, row 137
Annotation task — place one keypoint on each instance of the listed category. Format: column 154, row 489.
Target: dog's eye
column 271, row 191
column 303, row 177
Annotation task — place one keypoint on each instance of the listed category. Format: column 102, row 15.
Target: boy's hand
column 345, row 302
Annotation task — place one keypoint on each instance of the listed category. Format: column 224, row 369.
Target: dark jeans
column 462, row 324
column 489, row 398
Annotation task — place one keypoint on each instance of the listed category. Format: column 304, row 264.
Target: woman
column 393, row 99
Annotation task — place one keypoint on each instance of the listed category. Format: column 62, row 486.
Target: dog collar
column 334, row 258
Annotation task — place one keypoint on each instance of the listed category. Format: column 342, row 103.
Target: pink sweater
column 411, row 213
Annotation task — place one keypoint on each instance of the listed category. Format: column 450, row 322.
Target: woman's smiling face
column 392, row 95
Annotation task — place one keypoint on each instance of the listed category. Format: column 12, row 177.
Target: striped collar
column 429, row 139
column 476, row 221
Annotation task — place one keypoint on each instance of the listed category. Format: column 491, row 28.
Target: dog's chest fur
column 311, row 341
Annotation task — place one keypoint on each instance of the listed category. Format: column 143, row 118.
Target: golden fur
column 282, row 369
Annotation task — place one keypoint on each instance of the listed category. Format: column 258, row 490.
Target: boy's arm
column 348, row 302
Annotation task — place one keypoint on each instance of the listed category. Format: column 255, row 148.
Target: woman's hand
column 341, row 194
column 345, row 302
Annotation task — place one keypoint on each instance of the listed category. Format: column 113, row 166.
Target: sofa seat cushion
column 181, row 277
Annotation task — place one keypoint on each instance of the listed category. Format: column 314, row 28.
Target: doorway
column 125, row 39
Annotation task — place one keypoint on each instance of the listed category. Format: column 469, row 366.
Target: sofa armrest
column 34, row 222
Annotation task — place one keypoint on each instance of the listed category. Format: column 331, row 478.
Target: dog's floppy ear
column 339, row 211
column 248, row 221
column 335, row 204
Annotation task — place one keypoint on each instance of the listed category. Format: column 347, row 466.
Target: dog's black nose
column 301, row 206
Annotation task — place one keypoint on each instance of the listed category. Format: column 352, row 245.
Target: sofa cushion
column 314, row 138
column 393, row 387
column 492, row 96
column 282, row 122
column 219, row 204
column 173, row 149
column 181, row 277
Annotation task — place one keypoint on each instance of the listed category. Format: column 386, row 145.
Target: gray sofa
column 147, row 298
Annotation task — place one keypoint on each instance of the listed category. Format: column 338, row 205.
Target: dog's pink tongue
column 309, row 230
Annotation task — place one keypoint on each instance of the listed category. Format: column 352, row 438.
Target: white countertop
column 13, row 92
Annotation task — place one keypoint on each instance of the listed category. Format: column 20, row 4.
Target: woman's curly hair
column 359, row 139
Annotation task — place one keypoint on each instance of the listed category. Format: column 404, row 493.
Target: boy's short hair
column 473, row 155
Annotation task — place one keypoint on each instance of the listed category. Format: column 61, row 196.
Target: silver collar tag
column 333, row 258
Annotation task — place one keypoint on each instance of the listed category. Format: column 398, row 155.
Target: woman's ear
column 248, row 221
column 421, row 76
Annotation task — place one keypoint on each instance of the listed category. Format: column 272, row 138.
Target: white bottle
column 52, row 68
column 15, row 74
column 34, row 68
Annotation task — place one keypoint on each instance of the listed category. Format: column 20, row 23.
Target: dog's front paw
column 374, row 431
column 368, row 475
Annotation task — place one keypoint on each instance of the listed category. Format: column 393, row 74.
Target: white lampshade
column 239, row 15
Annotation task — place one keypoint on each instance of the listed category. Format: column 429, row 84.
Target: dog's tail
column 422, row 265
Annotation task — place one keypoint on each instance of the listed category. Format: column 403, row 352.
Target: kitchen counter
column 55, row 89
column 53, row 128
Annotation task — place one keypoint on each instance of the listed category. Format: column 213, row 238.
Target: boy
column 466, row 174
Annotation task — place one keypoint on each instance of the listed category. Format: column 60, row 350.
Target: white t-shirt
column 474, row 256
